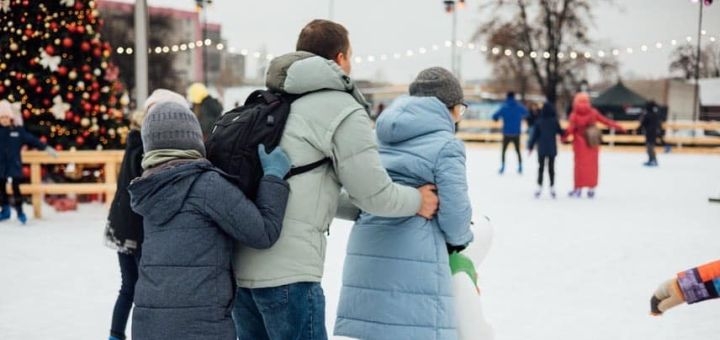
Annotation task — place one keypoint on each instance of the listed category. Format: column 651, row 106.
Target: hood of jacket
column 134, row 139
column 548, row 111
column 409, row 117
column 302, row 72
column 161, row 194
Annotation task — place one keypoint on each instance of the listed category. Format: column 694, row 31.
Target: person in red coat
column 582, row 117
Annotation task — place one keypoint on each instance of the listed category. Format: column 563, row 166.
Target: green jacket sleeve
column 358, row 166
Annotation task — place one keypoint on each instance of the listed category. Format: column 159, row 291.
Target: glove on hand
column 51, row 152
column 668, row 295
column 275, row 163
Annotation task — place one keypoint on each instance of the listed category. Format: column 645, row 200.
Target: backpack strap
column 305, row 168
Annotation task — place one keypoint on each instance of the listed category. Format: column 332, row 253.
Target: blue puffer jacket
column 12, row 138
column 396, row 279
column 512, row 114
column 192, row 217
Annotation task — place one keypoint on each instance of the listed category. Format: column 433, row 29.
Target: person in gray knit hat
column 417, row 144
column 439, row 83
column 193, row 215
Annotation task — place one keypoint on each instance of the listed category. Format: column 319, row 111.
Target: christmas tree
column 54, row 62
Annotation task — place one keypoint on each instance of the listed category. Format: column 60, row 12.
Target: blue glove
column 275, row 163
column 51, row 152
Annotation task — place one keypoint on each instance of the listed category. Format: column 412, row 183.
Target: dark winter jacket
column 210, row 110
column 545, row 133
column 512, row 114
column 650, row 123
column 12, row 138
column 192, row 216
column 124, row 230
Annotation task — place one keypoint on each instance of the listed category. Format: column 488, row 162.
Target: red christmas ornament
column 79, row 140
column 53, row 25
column 69, row 115
column 33, row 61
column 59, row 147
column 67, row 42
column 43, row 139
column 46, row 102
column 95, row 97
column 62, row 70
column 32, row 81
column 87, row 107
column 88, row 76
column 95, row 86
column 26, row 114
column 97, row 53
column 50, row 50
column 76, row 119
column 26, row 171
column 2, row 89
column 85, row 46
column 19, row 75
column 80, row 29
column 78, row 5
column 29, row 33
column 26, row 3
column 69, row 96
column 38, row 89
column 86, row 68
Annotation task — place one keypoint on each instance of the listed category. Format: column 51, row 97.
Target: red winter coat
column 586, row 157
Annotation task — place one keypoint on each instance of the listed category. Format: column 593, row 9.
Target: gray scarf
column 154, row 158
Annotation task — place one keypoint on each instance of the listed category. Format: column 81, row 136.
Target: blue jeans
column 124, row 302
column 291, row 312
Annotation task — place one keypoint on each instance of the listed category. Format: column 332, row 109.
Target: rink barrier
column 110, row 161
column 678, row 134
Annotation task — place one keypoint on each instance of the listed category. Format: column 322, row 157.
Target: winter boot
column 520, row 169
column 668, row 148
column 20, row 214
column 5, row 212
column 502, row 169
column 538, row 192
column 552, row 192
column 575, row 193
column 591, row 193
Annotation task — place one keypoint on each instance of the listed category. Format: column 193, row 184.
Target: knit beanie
column 170, row 125
column 440, row 83
column 6, row 109
column 163, row 95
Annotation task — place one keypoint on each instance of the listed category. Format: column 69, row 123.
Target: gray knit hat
column 440, row 83
column 170, row 125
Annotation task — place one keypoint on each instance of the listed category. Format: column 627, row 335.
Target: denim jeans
column 126, row 296
column 291, row 312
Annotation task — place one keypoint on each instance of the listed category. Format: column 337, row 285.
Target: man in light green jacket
column 279, row 295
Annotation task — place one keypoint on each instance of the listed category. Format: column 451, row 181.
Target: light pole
column 202, row 5
column 141, row 56
column 696, row 100
column 451, row 7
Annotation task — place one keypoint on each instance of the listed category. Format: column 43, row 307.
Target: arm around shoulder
column 358, row 166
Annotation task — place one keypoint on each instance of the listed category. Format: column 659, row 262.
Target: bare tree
column 547, row 32
column 683, row 60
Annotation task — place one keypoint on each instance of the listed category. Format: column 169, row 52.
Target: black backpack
column 233, row 141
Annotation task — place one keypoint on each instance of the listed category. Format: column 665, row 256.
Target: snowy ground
column 558, row 269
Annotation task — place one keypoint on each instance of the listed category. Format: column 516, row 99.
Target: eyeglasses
column 463, row 108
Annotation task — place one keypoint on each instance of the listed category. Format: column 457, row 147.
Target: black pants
column 515, row 139
column 17, row 195
column 551, row 169
column 123, row 304
column 650, row 145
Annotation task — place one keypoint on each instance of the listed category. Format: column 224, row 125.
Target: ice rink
column 558, row 269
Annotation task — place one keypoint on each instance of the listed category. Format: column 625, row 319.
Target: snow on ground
column 558, row 269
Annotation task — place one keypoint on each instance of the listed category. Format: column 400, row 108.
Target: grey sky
column 389, row 26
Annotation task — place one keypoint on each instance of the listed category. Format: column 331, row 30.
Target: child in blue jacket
column 12, row 137
column 396, row 279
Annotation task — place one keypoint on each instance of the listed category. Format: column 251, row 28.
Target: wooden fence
column 109, row 160
column 677, row 133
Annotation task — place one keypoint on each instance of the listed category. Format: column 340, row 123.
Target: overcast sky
column 394, row 26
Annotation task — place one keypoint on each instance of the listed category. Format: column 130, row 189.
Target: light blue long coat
column 396, row 280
